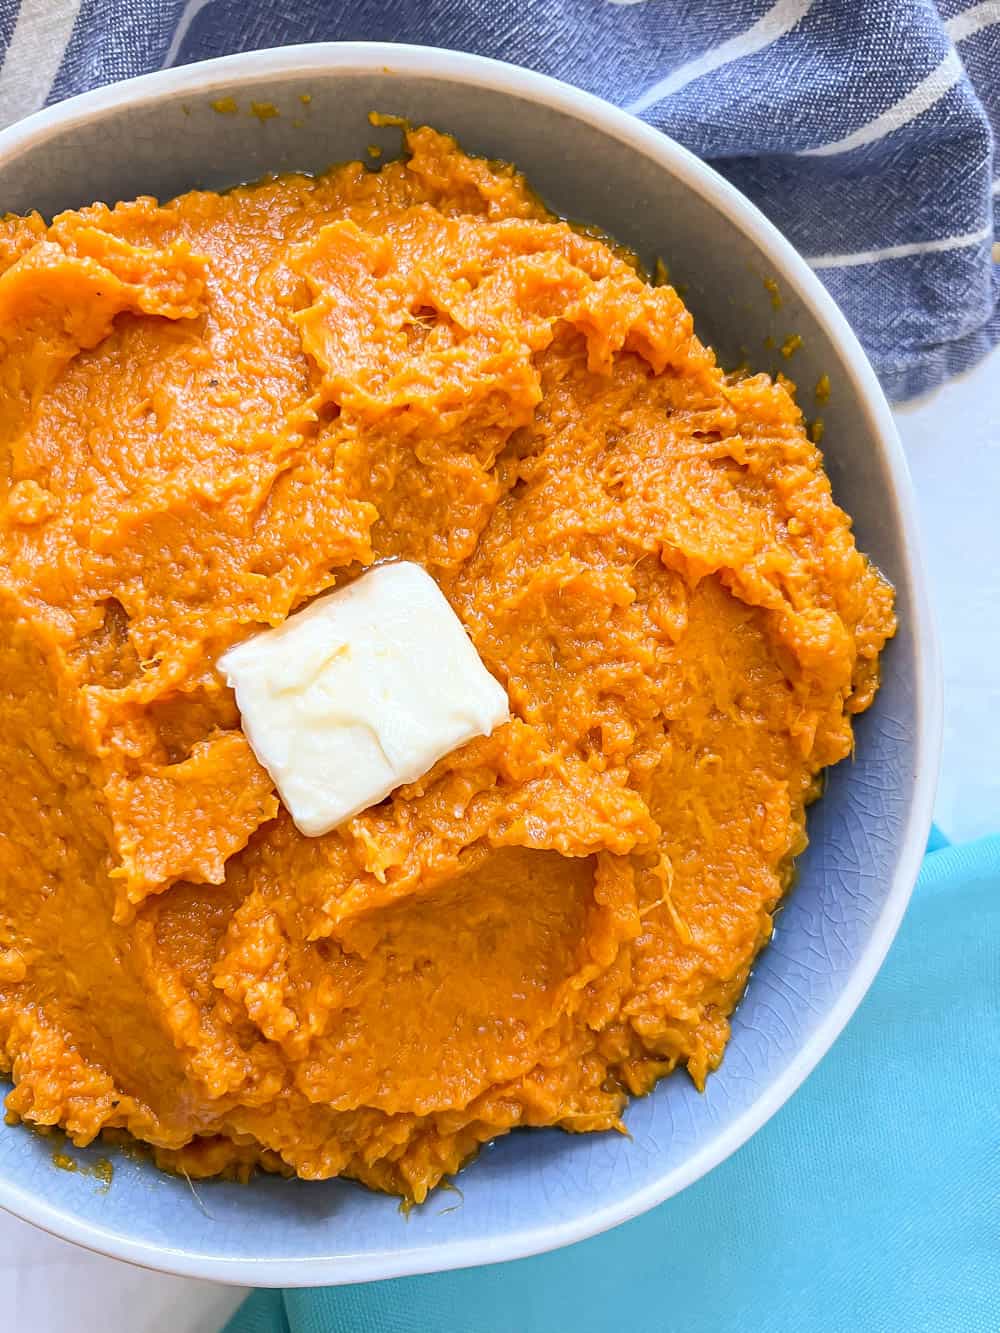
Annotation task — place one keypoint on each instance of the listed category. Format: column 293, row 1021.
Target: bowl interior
column 532, row 1189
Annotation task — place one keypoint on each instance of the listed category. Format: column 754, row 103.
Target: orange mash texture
column 214, row 409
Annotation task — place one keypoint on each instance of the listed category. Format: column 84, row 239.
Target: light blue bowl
column 535, row 1189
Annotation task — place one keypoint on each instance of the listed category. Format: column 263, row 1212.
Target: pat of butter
column 364, row 690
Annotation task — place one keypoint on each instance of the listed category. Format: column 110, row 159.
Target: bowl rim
column 230, row 72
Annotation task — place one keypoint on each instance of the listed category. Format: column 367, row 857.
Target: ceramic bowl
column 537, row 1189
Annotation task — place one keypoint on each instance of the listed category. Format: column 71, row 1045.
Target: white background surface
column 952, row 439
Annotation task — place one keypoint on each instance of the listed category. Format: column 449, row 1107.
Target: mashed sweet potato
column 214, row 409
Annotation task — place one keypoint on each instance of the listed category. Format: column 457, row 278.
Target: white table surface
column 952, row 439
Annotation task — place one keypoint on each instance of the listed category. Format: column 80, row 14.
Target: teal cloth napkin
column 870, row 1202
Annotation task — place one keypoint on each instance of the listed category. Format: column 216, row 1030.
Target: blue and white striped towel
column 865, row 128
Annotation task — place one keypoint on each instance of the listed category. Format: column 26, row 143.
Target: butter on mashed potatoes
column 212, row 411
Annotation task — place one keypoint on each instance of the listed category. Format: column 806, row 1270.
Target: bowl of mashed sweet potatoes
column 272, row 321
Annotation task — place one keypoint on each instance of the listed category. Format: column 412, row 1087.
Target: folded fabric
column 864, row 129
column 869, row 1204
